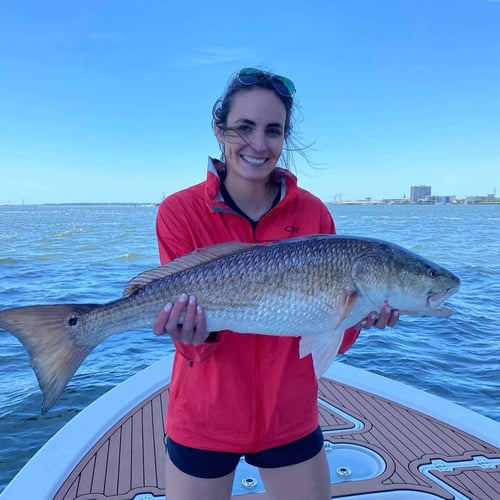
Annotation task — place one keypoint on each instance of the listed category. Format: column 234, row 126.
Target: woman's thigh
column 182, row 486
column 309, row 479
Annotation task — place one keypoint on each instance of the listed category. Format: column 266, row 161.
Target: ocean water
column 87, row 253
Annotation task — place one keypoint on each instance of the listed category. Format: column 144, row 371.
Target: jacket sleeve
column 175, row 240
column 327, row 226
column 173, row 231
column 350, row 336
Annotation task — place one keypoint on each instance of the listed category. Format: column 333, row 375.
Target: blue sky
column 111, row 100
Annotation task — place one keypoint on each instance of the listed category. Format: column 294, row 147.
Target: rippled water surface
column 51, row 254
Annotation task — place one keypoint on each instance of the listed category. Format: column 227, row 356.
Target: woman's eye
column 274, row 132
column 244, row 129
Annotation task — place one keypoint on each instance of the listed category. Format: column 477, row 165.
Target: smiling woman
column 230, row 393
column 253, row 141
column 250, row 79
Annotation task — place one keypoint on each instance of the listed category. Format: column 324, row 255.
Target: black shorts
column 212, row 464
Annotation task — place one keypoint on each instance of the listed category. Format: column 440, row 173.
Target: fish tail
column 48, row 335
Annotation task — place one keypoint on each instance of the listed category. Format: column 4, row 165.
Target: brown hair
column 222, row 107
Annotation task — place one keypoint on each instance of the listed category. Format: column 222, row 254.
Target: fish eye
column 432, row 273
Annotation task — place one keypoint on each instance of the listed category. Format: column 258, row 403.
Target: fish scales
column 313, row 287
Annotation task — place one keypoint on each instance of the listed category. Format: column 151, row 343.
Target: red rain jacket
column 244, row 393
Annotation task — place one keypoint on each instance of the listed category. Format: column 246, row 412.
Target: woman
column 232, row 394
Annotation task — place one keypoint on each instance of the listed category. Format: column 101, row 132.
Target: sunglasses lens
column 249, row 76
column 283, row 85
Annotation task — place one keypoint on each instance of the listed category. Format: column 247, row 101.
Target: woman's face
column 254, row 134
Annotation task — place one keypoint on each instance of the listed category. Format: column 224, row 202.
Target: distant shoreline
column 327, row 203
column 82, row 204
column 408, row 203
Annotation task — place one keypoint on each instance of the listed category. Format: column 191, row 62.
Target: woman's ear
column 219, row 134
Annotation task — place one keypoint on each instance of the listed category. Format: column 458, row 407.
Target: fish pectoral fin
column 323, row 348
column 349, row 299
column 306, row 345
column 193, row 259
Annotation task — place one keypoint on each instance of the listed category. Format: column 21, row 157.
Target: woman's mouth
column 254, row 161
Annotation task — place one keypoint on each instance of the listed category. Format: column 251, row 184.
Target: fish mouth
column 435, row 300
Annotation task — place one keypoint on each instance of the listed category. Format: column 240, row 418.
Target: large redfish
column 314, row 287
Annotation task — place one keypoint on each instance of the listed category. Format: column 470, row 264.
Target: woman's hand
column 184, row 320
column 387, row 317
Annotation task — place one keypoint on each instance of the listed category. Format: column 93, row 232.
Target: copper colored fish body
column 313, row 287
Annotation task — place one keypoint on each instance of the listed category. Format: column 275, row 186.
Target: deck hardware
column 443, row 466
column 249, row 482
column 328, row 446
column 485, row 463
column 344, row 471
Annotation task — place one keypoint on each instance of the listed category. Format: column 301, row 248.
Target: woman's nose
column 258, row 141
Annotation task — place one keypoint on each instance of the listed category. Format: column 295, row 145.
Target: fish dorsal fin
column 193, row 259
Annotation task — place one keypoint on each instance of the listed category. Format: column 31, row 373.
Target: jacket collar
column 215, row 167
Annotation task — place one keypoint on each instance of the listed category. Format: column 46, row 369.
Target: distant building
column 441, row 200
column 419, row 193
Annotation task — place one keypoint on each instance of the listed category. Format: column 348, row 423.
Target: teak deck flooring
column 129, row 459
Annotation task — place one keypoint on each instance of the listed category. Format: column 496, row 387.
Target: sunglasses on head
column 282, row 84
